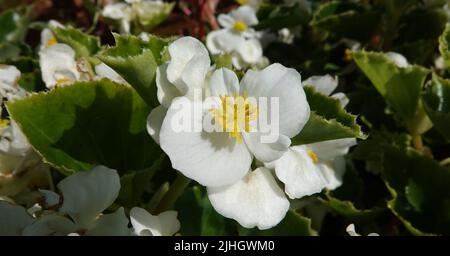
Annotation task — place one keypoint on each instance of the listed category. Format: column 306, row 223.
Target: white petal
column 114, row 224
column 277, row 81
column 250, row 51
column 256, row 200
column 50, row 225
column 266, row 152
column 324, row 84
column 87, row 194
column 225, row 20
column 223, row 41
column 343, row 99
column 155, row 120
column 166, row 91
column 330, row 149
column 351, row 230
column 212, row 159
column 58, row 62
column 50, row 198
column 246, row 14
column 104, row 71
column 299, row 173
column 188, row 65
column 13, row 220
column 164, row 224
column 398, row 59
column 116, row 11
column 333, row 172
column 224, row 82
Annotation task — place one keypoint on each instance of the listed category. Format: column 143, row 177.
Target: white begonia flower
column 255, row 200
column 13, row 220
column 326, row 85
column 85, row 196
column 121, row 12
column 58, row 65
column 9, row 88
column 146, row 224
column 237, row 37
column 47, row 37
column 352, row 231
column 222, row 158
column 104, row 71
column 398, row 59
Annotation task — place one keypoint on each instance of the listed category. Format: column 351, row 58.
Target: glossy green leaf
column 293, row 224
column 328, row 121
column 401, row 87
column 88, row 123
column 136, row 61
column 348, row 210
column 437, row 105
column 83, row 44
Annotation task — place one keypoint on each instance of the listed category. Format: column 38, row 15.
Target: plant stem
column 175, row 191
column 417, row 142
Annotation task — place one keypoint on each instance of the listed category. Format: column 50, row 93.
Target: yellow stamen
column 51, row 41
column 348, row 56
column 62, row 81
column 240, row 26
column 4, row 123
column 313, row 156
column 242, row 2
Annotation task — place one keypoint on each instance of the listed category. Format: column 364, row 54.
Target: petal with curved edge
column 284, row 84
column 144, row 223
column 256, row 200
column 245, row 14
column 333, row 172
column 104, row 71
column 114, row 224
column 51, row 199
column 166, row 91
column 13, row 220
column 342, row 98
column 54, row 225
column 58, row 65
column 298, row 172
column 210, row 158
column 225, row 20
column 323, row 84
column 398, row 59
column 251, row 51
column 328, row 150
column 223, row 41
column 266, row 152
column 224, row 82
column 155, row 120
column 87, row 194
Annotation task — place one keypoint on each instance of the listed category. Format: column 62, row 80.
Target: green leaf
column 328, row 120
column 346, row 20
column 14, row 25
column 83, row 44
column 444, row 45
column 348, row 210
column 419, row 187
column 401, row 87
column 293, row 224
column 198, row 216
column 136, row 61
column 88, row 123
column 280, row 16
column 436, row 100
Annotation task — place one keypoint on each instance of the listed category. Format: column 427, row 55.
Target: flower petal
column 14, row 219
column 266, row 152
column 342, row 98
column 398, row 59
column 225, row 20
column 330, row 149
column 256, row 200
column 210, row 158
column 114, row 224
column 333, row 172
column 87, row 194
column 55, row 225
column 155, row 120
column 166, row 91
column 104, row 71
column 245, row 14
column 324, row 84
column 299, row 173
column 224, row 82
column 164, row 224
column 58, row 63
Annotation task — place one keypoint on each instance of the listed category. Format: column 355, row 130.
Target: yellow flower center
column 235, row 115
column 4, row 123
column 240, row 26
column 242, row 2
column 63, row 81
column 51, row 41
column 313, row 156
column 348, row 56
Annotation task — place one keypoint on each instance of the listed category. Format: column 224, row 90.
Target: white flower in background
column 9, row 87
column 255, row 200
column 237, row 37
column 146, row 224
column 85, row 196
column 47, row 37
column 326, row 85
column 252, row 3
column 352, row 232
column 104, row 71
column 398, row 59
column 121, row 12
column 14, row 219
column 185, row 72
column 222, row 158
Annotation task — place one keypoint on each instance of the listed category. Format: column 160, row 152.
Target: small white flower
column 145, row 224
column 255, row 200
column 398, row 59
column 121, row 12
column 326, row 85
column 352, row 232
column 9, row 88
column 240, row 21
column 222, row 158
column 47, row 37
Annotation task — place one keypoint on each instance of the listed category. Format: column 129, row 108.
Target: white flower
column 252, row 3
column 14, row 219
column 85, row 196
column 222, row 158
column 237, row 37
column 104, row 71
column 58, row 65
column 47, row 37
column 326, row 85
column 352, row 232
column 9, row 88
column 145, row 224
column 255, row 200
column 121, row 12
column 398, row 59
